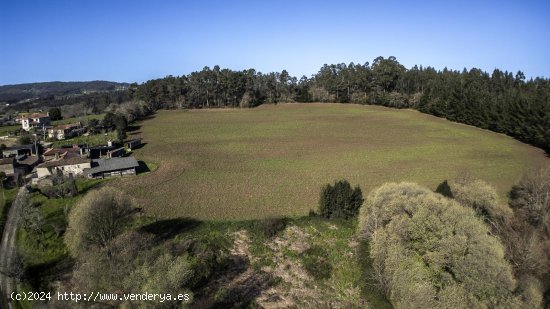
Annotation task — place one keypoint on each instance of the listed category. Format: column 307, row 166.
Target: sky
column 134, row 41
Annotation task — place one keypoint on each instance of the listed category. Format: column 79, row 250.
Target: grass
column 75, row 119
column 5, row 130
column 235, row 164
column 92, row 140
column 5, row 205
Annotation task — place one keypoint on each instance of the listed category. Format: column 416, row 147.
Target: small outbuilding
column 133, row 143
column 104, row 168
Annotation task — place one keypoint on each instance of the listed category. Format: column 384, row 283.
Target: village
column 56, row 150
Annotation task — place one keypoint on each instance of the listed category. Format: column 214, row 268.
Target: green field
column 272, row 160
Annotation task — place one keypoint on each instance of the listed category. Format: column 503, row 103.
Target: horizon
column 137, row 41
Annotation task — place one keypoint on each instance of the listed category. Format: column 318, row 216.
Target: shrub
column 316, row 262
column 531, row 199
column 272, row 226
column 55, row 113
column 24, row 139
column 430, row 252
column 61, row 187
column 97, row 219
column 167, row 274
column 340, row 200
column 481, row 197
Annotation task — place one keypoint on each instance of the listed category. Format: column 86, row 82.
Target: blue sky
column 134, row 41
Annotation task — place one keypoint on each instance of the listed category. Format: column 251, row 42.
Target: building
column 62, row 152
column 68, row 166
column 16, row 151
column 103, row 168
column 97, row 152
column 65, row 131
column 119, row 152
column 133, row 143
column 34, row 121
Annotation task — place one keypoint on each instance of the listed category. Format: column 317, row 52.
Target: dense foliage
column 500, row 101
column 428, row 251
column 526, row 241
column 50, row 90
column 340, row 200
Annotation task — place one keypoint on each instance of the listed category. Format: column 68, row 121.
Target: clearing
column 230, row 164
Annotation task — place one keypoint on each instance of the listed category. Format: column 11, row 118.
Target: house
column 133, row 143
column 58, row 153
column 34, row 121
column 16, row 151
column 65, row 131
column 68, row 166
column 103, row 168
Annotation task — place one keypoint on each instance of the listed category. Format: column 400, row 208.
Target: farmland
column 231, row 164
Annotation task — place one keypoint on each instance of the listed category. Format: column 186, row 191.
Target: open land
column 272, row 160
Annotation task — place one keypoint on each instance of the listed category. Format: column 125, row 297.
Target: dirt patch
column 240, row 284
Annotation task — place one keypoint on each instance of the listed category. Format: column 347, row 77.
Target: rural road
column 7, row 251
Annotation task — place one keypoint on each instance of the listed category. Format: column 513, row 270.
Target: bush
column 272, row 226
column 61, row 187
column 55, row 113
column 316, row 262
column 481, row 197
column 340, row 200
column 430, row 252
column 24, row 139
column 97, row 219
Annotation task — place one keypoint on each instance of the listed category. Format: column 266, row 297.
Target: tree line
column 501, row 101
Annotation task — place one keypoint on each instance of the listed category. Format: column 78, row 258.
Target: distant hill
column 19, row 92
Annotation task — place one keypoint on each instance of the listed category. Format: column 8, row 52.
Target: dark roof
column 133, row 140
column 30, row 160
column 65, row 161
column 7, row 161
column 20, row 147
column 112, row 164
column 118, row 149
column 103, row 147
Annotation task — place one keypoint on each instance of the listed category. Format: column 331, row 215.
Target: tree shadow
column 39, row 276
column 166, row 229
column 142, row 168
column 139, row 146
column 132, row 128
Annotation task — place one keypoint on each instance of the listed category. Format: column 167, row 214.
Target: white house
column 35, row 121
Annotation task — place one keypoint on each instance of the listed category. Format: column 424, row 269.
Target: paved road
column 8, row 250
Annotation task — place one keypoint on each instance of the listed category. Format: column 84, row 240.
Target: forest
column 502, row 102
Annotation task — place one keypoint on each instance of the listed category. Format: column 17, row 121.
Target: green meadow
column 230, row 164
